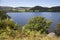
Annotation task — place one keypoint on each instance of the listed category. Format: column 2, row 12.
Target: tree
column 37, row 24
column 8, row 26
column 3, row 15
column 5, row 21
column 8, row 23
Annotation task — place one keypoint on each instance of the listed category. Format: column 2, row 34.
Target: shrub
column 39, row 24
column 57, row 29
column 8, row 26
column 3, row 15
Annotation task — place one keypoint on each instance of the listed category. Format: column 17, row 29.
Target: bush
column 57, row 29
column 7, row 25
column 39, row 24
column 3, row 15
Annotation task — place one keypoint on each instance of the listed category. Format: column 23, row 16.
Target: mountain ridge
column 39, row 8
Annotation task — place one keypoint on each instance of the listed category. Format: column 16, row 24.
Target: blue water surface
column 23, row 17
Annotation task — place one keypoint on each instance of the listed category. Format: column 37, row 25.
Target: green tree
column 39, row 24
column 8, row 23
column 8, row 26
column 3, row 15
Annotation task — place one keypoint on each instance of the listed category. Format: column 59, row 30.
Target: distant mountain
column 23, row 8
column 33, row 9
column 56, row 8
column 39, row 8
column 5, row 8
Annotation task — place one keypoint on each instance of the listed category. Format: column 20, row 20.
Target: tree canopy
column 38, row 24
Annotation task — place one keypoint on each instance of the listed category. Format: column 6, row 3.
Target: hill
column 30, row 9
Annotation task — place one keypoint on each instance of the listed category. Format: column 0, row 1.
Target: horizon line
column 29, row 6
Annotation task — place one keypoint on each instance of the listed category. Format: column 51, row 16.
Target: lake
column 23, row 17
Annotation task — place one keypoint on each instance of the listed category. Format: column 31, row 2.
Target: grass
column 31, row 36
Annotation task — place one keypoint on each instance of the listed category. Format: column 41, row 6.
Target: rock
column 52, row 34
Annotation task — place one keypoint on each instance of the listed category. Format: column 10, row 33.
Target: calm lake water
column 23, row 17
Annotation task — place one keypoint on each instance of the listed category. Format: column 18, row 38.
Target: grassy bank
column 20, row 36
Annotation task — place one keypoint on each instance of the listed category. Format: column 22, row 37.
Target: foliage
column 57, row 29
column 32, row 36
column 39, row 24
column 3, row 15
column 7, row 25
column 9, row 29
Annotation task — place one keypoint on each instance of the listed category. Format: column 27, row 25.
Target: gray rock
column 52, row 34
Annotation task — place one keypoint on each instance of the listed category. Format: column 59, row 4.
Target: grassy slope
column 20, row 36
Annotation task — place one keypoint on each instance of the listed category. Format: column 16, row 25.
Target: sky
column 30, row 3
